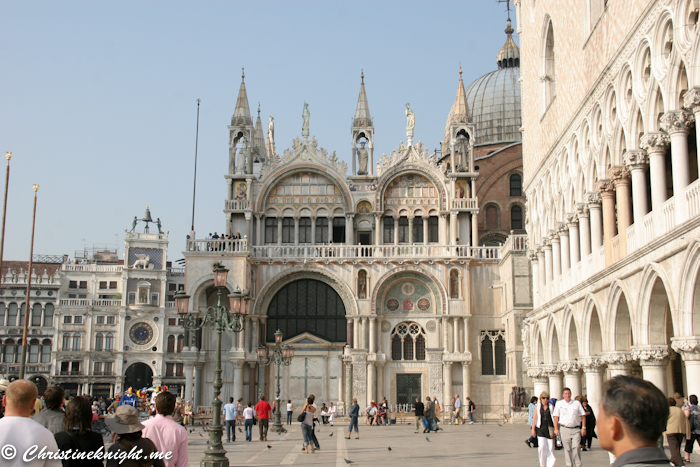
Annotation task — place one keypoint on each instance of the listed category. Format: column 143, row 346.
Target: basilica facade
column 390, row 281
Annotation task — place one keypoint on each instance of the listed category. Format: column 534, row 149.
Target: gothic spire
column 258, row 138
column 459, row 113
column 509, row 55
column 241, row 116
column 362, row 117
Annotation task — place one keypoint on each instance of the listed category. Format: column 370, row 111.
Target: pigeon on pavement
column 348, row 461
column 269, row 447
column 389, row 448
column 427, row 439
column 331, row 434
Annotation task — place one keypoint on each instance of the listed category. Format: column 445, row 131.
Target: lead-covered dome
column 494, row 99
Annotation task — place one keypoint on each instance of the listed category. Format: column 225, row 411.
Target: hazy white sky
column 98, row 99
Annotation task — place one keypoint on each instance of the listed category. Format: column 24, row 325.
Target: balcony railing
column 465, row 203
column 93, row 267
column 668, row 214
column 106, row 303
column 217, row 245
column 103, row 373
column 84, row 302
column 514, row 242
column 692, row 198
column 354, row 252
column 71, row 373
column 237, row 204
column 176, row 271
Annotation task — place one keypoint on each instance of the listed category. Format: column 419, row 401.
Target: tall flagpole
column 8, row 156
column 23, row 362
column 196, row 146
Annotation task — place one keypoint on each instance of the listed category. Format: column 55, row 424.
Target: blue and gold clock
column 141, row 333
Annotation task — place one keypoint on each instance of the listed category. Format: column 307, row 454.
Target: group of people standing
column 247, row 416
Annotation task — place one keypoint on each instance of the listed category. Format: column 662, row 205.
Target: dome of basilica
column 494, row 98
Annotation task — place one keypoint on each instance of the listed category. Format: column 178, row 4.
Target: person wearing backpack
column 692, row 411
column 471, row 407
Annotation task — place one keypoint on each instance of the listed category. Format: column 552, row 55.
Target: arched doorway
column 138, row 375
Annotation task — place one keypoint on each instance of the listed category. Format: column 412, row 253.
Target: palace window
column 180, row 342
column 65, row 342
column 36, row 315
column 46, row 351
column 108, row 368
column 67, row 319
column 103, row 284
column 403, row 229
column 516, row 218
column 100, row 319
column 76, row 342
column 388, row 230
column 48, row 315
column 418, row 230
column 305, row 230
column 99, row 341
column 270, row 230
column 433, row 236
column 110, row 319
column 287, row 230
column 97, row 368
column 77, row 320
column 9, row 351
column 493, row 353
column 408, row 342
column 338, row 230
column 171, row 344
column 516, row 185
column 34, row 351
column 322, row 230
column 109, row 341
column 12, row 315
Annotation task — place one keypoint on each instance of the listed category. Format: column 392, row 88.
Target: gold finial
column 242, row 74
column 8, row 155
column 362, row 75
column 460, row 71
column 35, row 188
column 147, row 206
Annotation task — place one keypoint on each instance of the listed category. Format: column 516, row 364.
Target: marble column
column 656, row 144
column 442, row 229
column 445, row 334
column 372, row 335
column 689, row 348
column 532, row 256
column 378, row 228
column 426, row 219
column 636, row 162
column 258, row 229
column 677, row 124
column 475, row 230
column 296, row 229
column 365, row 333
column 548, row 260
column 330, row 230
column 466, row 381
column 447, row 378
column 564, row 245
column 349, row 219
column 189, row 367
column 237, row 378
column 348, row 383
column 619, row 363
column 593, row 371
column 356, row 342
column 465, row 341
column 455, row 335
column 410, row 230
column 584, row 229
column 454, row 232
column 541, row 264
column 380, row 380
column 279, row 230
column 196, row 396
column 349, row 334
column 396, row 230
column 574, row 239
column 654, row 361
column 313, row 230
column 620, row 177
column 572, row 378
column 594, row 202
column 607, row 193
column 539, row 380
column 556, row 382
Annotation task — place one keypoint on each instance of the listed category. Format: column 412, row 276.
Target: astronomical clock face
column 141, row 333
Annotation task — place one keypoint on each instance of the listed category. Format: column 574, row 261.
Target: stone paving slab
column 478, row 444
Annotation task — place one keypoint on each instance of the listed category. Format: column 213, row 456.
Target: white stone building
column 610, row 99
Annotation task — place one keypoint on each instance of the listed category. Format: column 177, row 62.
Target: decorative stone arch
column 570, row 332
column 270, row 289
column 548, row 62
column 553, row 347
column 650, row 327
column 619, row 144
column 403, row 169
column 538, row 350
column 656, row 103
column 284, row 171
column 440, row 292
column 203, row 283
column 597, row 130
column 659, row 44
column 618, row 327
column 674, row 82
column 592, row 325
column 639, row 72
column 694, row 58
column 636, row 120
column 689, row 295
column 610, row 113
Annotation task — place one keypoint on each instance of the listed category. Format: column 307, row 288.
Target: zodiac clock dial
column 141, row 333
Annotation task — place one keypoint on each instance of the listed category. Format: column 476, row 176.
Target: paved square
column 477, row 444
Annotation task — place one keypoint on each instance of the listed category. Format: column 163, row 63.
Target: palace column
column 296, row 230
column 347, row 359
column 621, row 179
column 445, row 334
column 189, row 366
column 356, row 343
column 196, row 396
column 607, row 193
column 426, row 218
column 453, row 228
column 636, row 162
column 313, row 230
column 564, row 245
column 447, row 378
column 330, row 230
column 410, row 230
column 572, row 377
column 594, row 201
column 378, row 228
column 442, row 228
column 258, row 229
column 593, row 371
column 350, row 334
column 677, row 124
column 619, row 363
column 237, row 378
column 656, row 144
column 372, row 335
column 455, row 334
column 465, row 341
column 548, row 260
column 466, row 381
column 689, row 348
column 584, row 229
column 380, row 379
column 541, row 264
column 539, row 379
column 654, row 361
column 396, row 229
column 532, row 256
column 574, row 239
column 475, row 229
column 279, row 230
column 556, row 381
column 349, row 240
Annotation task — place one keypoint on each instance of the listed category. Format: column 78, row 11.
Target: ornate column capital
column 688, row 347
column 593, row 199
column 571, row 220
column 619, row 174
column 677, row 121
column 605, row 187
column 570, row 368
column 636, row 159
column 590, row 364
column 617, row 360
column 691, row 100
column 581, row 210
column 553, row 236
column 532, row 255
column 562, row 229
column 551, row 370
column 651, row 355
column 546, row 243
column 537, row 373
column 655, row 142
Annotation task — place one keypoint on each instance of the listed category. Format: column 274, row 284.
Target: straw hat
column 3, row 384
column 124, row 420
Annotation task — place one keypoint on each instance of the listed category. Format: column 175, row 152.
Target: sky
column 98, row 100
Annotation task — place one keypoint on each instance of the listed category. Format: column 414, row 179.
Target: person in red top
column 262, row 412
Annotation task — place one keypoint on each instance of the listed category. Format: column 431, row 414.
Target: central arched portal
column 139, row 375
column 311, row 315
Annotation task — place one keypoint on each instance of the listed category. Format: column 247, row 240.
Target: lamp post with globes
column 281, row 355
column 222, row 319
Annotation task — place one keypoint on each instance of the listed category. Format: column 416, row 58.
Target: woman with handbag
column 307, row 424
column 543, row 430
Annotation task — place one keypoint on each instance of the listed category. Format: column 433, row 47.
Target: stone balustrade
column 465, row 204
column 237, row 204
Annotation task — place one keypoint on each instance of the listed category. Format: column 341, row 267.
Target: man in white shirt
column 21, row 436
column 458, row 410
column 570, row 424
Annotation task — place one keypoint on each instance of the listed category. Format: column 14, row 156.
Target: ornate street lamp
column 221, row 318
column 282, row 355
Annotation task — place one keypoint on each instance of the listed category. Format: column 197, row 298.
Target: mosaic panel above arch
column 305, row 188
column 408, row 293
column 411, row 190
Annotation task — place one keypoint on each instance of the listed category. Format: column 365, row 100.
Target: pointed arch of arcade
column 656, row 307
column 570, row 332
column 619, row 330
column 689, row 296
column 422, row 170
column 553, row 347
column 400, row 269
column 270, row 289
column 283, row 171
column 592, row 327
column 539, row 351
